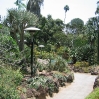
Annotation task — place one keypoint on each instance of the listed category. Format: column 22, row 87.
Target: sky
column 83, row 9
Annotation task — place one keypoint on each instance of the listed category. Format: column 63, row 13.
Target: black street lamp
column 31, row 30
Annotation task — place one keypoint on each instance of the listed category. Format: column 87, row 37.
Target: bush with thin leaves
column 9, row 80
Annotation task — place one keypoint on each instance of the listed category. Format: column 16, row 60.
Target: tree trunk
column 65, row 18
column 21, row 44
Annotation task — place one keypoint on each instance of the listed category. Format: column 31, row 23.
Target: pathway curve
column 79, row 89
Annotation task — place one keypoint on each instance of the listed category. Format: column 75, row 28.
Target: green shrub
column 57, row 64
column 81, row 64
column 61, row 77
column 41, row 67
column 9, row 80
column 86, row 53
column 60, row 64
column 94, row 94
column 44, row 82
column 63, row 51
column 37, row 81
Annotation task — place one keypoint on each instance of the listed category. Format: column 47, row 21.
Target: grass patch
column 94, row 94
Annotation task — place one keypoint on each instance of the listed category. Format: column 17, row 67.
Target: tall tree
column 34, row 6
column 17, row 20
column 66, row 8
column 48, row 27
column 97, row 13
column 91, row 24
column 77, row 25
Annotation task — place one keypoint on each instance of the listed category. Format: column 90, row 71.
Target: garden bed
column 44, row 85
column 83, row 67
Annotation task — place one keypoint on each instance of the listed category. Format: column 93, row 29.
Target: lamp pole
column 31, row 30
column 32, row 59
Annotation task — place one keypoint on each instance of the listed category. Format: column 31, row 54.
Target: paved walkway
column 79, row 89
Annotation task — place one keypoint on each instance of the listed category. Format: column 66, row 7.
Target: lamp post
column 31, row 30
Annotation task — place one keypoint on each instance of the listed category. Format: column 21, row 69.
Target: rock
column 35, row 93
column 70, row 78
column 41, row 90
column 96, row 83
column 42, row 96
column 29, row 93
column 22, row 96
column 94, row 73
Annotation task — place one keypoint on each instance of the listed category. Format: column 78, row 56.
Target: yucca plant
column 60, row 64
column 42, row 82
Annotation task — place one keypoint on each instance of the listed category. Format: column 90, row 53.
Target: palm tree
column 20, row 4
column 34, row 6
column 17, row 20
column 66, row 8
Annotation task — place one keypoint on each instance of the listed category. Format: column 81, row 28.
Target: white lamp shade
column 31, row 29
column 41, row 45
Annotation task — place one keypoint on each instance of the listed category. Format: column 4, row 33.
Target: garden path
column 79, row 89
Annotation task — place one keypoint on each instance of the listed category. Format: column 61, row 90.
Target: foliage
column 9, row 80
column 21, row 6
column 94, row 94
column 80, row 40
column 36, row 82
column 42, row 81
column 50, row 84
column 61, row 77
column 81, row 64
column 58, row 64
column 17, row 21
column 34, row 6
column 66, row 8
column 97, row 9
column 7, row 42
column 8, row 48
column 1, row 25
column 10, row 53
column 55, row 62
column 61, row 38
column 86, row 53
column 41, row 54
column 49, row 27
column 62, row 49
column 42, row 66
column 64, row 52
column 77, row 25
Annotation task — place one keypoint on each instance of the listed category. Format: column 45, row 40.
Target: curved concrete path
column 79, row 89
